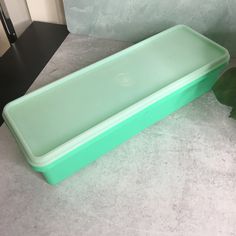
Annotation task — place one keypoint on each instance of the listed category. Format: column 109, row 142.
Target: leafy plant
column 225, row 90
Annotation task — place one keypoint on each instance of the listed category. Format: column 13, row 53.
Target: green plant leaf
column 233, row 113
column 225, row 90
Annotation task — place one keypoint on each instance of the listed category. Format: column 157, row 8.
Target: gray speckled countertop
column 177, row 177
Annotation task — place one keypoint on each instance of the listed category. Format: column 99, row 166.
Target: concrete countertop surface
column 177, row 177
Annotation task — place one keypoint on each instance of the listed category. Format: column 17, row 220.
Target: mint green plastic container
column 67, row 124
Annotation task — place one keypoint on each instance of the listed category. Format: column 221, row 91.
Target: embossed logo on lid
column 124, row 80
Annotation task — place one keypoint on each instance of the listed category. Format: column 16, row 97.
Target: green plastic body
column 89, row 152
column 66, row 125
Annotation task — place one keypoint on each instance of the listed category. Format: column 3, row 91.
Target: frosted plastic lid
column 59, row 117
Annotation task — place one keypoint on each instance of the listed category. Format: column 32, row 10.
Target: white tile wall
column 4, row 44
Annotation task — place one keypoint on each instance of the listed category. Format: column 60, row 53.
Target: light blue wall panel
column 133, row 20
